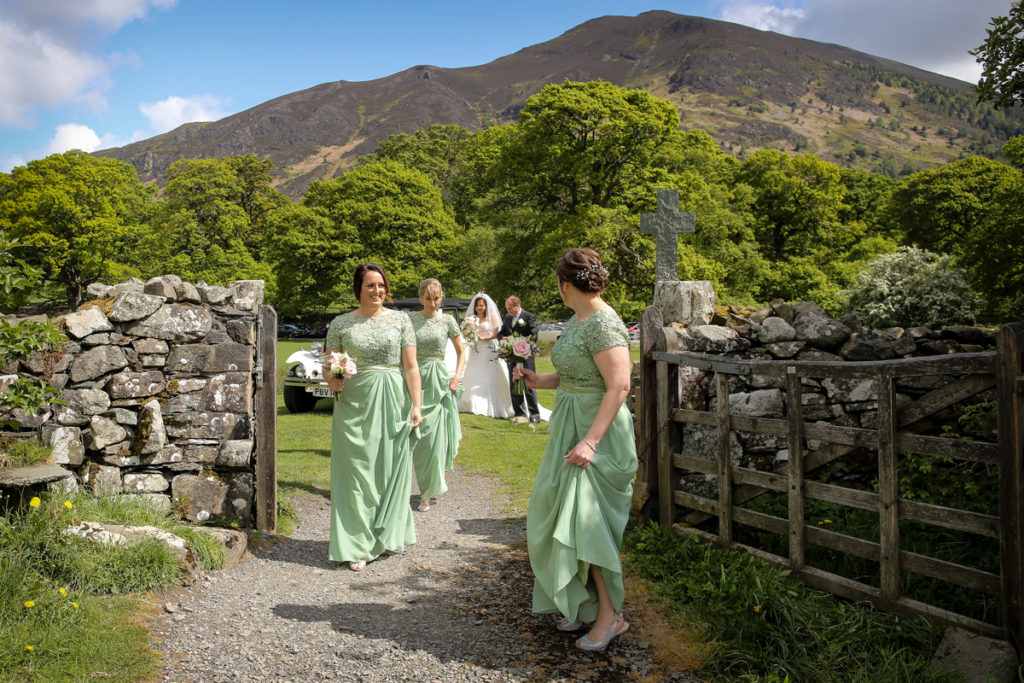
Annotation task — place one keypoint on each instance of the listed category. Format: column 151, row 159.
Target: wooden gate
column 265, row 411
column 664, row 458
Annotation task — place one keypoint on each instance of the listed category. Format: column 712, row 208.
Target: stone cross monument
column 690, row 303
column 666, row 224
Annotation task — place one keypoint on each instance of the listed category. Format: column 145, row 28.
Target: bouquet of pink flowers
column 469, row 329
column 340, row 364
column 515, row 351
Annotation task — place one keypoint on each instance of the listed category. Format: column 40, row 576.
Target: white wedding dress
column 485, row 381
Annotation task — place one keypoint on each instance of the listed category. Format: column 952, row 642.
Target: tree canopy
column 1002, row 60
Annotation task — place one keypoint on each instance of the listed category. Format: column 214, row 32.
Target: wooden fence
column 664, row 458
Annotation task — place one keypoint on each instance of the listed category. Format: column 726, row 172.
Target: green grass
column 761, row 625
column 61, row 597
column 22, row 452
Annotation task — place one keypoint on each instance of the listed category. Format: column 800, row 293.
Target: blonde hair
column 430, row 288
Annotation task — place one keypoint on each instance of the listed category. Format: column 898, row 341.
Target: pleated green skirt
column 577, row 516
column 371, row 463
column 436, row 441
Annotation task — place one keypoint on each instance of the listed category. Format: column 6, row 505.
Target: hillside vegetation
column 749, row 89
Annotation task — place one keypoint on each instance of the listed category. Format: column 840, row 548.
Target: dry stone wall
column 159, row 380
column 802, row 331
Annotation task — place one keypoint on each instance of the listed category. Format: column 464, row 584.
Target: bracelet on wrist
column 593, row 447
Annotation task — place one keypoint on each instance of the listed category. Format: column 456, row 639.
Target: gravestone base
column 687, row 302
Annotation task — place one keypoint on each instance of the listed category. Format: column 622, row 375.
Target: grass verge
column 61, row 597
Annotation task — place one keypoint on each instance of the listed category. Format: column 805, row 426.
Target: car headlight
column 300, row 371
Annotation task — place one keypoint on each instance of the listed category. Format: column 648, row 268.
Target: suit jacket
column 525, row 326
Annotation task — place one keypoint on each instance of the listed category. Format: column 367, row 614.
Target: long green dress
column 371, row 463
column 436, row 441
column 577, row 516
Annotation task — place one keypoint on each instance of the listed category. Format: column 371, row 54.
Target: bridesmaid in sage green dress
column 436, row 442
column 580, row 501
column 371, row 462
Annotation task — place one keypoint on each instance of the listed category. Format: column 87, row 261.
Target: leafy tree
column 912, row 287
column 1002, row 60
column 571, row 172
column 938, row 209
column 304, row 249
column 797, row 202
column 17, row 277
column 211, row 221
column 79, row 214
column 382, row 212
column 435, row 151
column 584, row 144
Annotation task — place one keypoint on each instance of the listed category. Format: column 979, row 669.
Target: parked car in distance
column 304, row 383
column 634, row 331
column 290, row 331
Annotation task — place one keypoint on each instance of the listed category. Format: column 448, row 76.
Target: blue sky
column 91, row 74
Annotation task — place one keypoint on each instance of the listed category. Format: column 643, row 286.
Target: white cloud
column 106, row 15
column 45, row 73
column 72, row 136
column 168, row 114
column 8, row 163
column 45, row 54
column 760, row 15
column 934, row 36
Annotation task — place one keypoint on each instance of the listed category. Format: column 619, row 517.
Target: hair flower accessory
column 593, row 268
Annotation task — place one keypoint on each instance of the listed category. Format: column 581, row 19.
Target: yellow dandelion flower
column 68, row 505
column 757, row 608
column 828, row 521
column 29, row 648
column 75, row 605
column 63, row 591
column 820, row 523
column 35, row 501
column 30, row 603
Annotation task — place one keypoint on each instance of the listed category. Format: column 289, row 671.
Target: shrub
column 909, row 288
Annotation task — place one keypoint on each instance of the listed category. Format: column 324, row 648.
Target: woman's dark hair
column 472, row 306
column 582, row 268
column 357, row 279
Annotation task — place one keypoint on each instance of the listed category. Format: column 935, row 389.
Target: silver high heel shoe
column 569, row 626
column 587, row 644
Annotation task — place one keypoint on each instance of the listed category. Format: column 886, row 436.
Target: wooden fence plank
column 951, row 364
column 265, row 408
column 724, row 466
column 946, row 396
column 975, row 579
column 851, row 545
column 950, row 518
column 696, row 502
column 665, row 484
column 759, row 520
column 702, row 465
column 794, row 414
column 1010, row 344
column 863, row 500
column 888, row 488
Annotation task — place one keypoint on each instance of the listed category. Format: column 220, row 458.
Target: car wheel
column 298, row 400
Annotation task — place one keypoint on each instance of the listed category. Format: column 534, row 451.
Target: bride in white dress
column 485, row 381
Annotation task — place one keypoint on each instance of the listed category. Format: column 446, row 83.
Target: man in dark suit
column 520, row 323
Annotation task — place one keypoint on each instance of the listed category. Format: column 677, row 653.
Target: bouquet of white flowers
column 469, row 329
column 340, row 364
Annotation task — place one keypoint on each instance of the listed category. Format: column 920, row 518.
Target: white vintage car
column 304, row 383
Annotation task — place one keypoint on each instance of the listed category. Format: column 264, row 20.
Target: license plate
column 320, row 392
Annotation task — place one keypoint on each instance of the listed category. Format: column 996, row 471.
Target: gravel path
column 453, row 607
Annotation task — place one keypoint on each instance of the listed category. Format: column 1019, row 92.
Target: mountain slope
column 750, row 89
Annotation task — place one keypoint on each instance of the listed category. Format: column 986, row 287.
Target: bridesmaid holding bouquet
column 374, row 413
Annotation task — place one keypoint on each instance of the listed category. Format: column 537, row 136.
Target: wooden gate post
column 1009, row 390
column 266, row 421
column 647, row 416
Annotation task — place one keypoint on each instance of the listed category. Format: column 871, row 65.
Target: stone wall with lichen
column 158, row 383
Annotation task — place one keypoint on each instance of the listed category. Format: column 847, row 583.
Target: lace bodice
column 432, row 334
column 573, row 353
column 377, row 340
